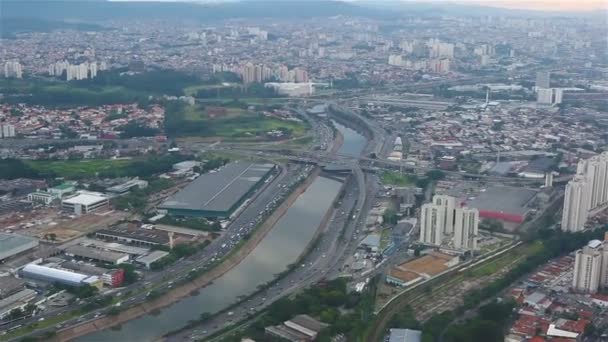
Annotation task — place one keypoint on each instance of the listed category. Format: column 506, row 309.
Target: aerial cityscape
column 332, row 171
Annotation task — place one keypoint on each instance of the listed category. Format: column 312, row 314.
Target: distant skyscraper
column 543, row 79
column 7, row 131
column 13, row 69
column 549, row 96
column 466, row 227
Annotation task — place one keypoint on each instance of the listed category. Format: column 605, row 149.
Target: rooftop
column 93, row 253
column 506, row 199
column 405, row 335
column 11, row 241
column 221, row 190
column 86, row 198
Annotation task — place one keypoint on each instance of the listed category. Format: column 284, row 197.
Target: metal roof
column 11, row 241
column 505, row 199
column 219, row 191
column 53, row 273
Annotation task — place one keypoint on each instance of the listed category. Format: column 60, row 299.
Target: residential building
column 543, row 79
column 587, row 268
column 576, row 204
column 431, row 224
column 447, row 204
column 7, row 131
column 13, row 69
column 466, row 228
column 549, row 96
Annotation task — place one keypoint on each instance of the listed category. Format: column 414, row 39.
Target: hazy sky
column 550, row 5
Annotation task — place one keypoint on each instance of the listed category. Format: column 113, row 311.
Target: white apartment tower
column 576, row 204
column 466, row 228
column 587, row 268
column 446, row 205
column 586, row 192
column 13, row 69
column 431, row 224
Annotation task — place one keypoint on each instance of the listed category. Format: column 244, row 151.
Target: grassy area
column 193, row 89
column 396, row 178
column 237, row 123
column 252, row 101
column 77, row 168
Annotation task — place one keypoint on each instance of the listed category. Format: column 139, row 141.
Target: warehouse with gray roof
column 13, row 244
column 218, row 194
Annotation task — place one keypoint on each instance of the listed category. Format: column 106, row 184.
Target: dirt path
column 184, row 290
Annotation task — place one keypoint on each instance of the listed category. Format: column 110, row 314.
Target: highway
column 260, row 205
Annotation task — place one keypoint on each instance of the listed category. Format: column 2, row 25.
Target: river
column 353, row 144
column 281, row 247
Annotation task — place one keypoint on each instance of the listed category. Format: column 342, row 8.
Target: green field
column 193, row 89
column 237, row 123
column 77, row 168
column 397, row 179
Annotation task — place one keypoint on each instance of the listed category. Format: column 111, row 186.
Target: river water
column 353, row 144
column 281, row 247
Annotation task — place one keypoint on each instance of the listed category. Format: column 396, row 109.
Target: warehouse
column 134, row 236
column 85, row 202
column 218, row 194
column 504, row 203
column 13, row 244
column 55, row 275
column 97, row 255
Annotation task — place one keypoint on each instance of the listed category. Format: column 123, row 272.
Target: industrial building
column 299, row 328
column 505, row 203
column 55, row 275
column 404, row 335
column 85, row 202
column 123, row 188
column 97, row 255
column 218, row 194
column 151, row 258
column 134, row 236
column 13, row 244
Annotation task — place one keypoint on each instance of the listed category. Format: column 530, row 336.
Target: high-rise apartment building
column 7, row 131
column 586, row 192
column 543, row 79
column 466, row 228
column 576, row 204
column 431, row 224
column 591, row 267
column 549, row 96
column 13, row 69
column 442, row 223
column 447, row 204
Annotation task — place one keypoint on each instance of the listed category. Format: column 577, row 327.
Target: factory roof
column 405, row 335
column 152, row 257
column 153, row 236
column 54, row 273
column 86, row 198
column 221, row 190
column 96, row 254
column 10, row 241
column 506, row 199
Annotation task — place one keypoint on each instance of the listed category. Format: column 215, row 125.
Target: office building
column 85, row 202
column 587, row 268
column 13, row 69
column 543, row 79
column 466, row 228
column 41, row 197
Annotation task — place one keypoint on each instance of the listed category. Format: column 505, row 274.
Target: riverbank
column 185, row 290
